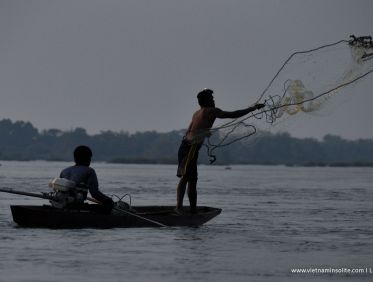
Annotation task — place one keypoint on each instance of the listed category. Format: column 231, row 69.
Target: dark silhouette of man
column 198, row 129
column 83, row 175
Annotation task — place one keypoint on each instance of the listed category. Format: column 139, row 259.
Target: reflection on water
column 274, row 218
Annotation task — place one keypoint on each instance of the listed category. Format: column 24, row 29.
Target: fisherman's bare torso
column 201, row 123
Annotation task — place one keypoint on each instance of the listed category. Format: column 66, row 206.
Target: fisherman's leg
column 181, row 191
column 192, row 195
column 192, row 187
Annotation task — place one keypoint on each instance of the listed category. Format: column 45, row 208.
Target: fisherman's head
column 82, row 155
column 205, row 98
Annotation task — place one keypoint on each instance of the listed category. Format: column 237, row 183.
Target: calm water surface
column 274, row 219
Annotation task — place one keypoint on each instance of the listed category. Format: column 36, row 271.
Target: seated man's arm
column 95, row 192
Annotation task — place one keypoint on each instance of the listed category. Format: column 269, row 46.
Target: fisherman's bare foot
column 179, row 211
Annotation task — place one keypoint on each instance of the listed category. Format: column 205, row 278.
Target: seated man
column 84, row 175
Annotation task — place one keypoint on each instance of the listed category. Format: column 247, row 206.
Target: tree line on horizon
column 22, row 141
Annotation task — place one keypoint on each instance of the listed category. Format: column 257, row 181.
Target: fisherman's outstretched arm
column 239, row 113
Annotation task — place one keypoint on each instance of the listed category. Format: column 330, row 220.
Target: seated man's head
column 205, row 98
column 82, row 155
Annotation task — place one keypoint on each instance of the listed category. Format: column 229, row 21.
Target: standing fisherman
column 202, row 121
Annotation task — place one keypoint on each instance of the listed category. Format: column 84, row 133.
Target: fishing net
column 303, row 85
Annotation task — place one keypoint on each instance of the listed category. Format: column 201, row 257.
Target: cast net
column 303, row 85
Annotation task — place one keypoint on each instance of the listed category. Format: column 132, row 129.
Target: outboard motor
column 67, row 193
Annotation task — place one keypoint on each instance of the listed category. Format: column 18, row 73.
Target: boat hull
column 50, row 217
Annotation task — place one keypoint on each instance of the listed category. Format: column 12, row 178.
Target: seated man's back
column 80, row 175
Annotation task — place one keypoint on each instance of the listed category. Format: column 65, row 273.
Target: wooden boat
column 47, row 216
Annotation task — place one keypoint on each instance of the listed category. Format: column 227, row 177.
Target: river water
column 274, row 219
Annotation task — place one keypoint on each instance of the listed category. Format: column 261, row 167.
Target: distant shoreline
column 22, row 141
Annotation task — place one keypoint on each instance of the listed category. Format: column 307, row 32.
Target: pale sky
column 138, row 65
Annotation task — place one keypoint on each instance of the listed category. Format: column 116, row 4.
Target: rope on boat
column 143, row 218
column 130, row 213
column 120, row 198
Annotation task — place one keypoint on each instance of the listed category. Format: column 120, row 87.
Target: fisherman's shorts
column 188, row 156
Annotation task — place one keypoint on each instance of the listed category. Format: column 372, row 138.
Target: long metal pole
column 35, row 195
